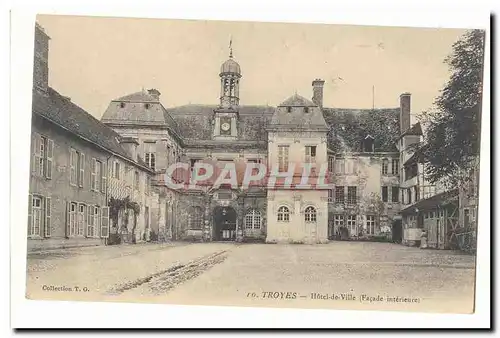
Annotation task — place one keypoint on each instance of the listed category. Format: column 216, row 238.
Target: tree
column 453, row 128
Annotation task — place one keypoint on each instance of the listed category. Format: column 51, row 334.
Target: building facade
column 76, row 166
column 361, row 148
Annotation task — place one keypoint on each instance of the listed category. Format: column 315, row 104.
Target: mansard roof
column 60, row 110
column 195, row 121
column 349, row 127
column 139, row 108
column 297, row 101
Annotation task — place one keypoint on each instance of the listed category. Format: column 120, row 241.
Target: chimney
column 404, row 112
column 130, row 145
column 318, row 92
column 154, row 93
column 41, row 60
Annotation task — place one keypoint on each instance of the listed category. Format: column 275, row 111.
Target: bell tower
column 226, row 114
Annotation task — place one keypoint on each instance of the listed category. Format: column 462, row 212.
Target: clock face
column 225, row 126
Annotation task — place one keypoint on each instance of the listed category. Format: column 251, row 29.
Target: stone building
column 77, row 164
column 360, row 146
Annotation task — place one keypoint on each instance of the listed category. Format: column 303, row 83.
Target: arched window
column 283, row 214
column 310, row 214
column 252, row 219
column 195, row 218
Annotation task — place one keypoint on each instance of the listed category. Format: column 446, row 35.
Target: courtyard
column 341, row 275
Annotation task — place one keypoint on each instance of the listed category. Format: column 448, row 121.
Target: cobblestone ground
column 344, row 275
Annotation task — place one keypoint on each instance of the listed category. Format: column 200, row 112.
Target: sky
column 94, row 60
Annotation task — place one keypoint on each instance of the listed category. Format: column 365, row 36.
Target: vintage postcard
column 254, row 164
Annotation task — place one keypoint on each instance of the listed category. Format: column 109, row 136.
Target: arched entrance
column 224, row 224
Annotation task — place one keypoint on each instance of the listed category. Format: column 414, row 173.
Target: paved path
column 351, row 275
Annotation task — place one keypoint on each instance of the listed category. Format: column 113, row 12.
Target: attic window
column 146, row 105
column 288, row 109
column 368, row 144
column 306, row 110
column 122, row 104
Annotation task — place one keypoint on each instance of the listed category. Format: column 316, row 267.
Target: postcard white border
column 40, row 314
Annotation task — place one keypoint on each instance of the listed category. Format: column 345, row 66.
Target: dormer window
column 288, row 109
column 368, row 144
column 306, row 110
column 146, row 105
column 122, row 104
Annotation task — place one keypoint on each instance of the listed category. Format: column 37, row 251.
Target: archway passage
column 224, row 224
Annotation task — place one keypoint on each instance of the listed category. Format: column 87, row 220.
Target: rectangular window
column 339, row 194
column 385, row 167
column 116, row 170
column 385, row 194
column 331, row 193
column 351, row 166
column 73, row 166
column 103, row 173
column 72, row 214
column 43, row 152
column 310, row 154
column 136, row 180
column 331, row 164
column 409, row 195
column 417, row 193
column 339, row 166
column 351, row 224
column 395, row 167
column 81, row 219
column 370, row 225
column 150, row 154
column 283, row 152
column 352, row 195
column 93, row 220
column 35, row 225
column 395, row 194
column 339, row 221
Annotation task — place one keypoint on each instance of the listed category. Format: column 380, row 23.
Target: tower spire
column 231, row 47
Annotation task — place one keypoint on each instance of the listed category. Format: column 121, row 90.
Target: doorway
column 397, row 231
column 224, row 224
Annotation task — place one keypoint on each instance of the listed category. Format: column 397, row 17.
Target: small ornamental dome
column 230, row 66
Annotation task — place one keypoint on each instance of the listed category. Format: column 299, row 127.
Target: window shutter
column 48, row 216
column 104, row 177
column 36, row 153
column 30, row 213
column 105, row 222
column 82, row 170
column 72, row 169
column 93, row 175
column 90, row 215
column 49, row 161
column 68, row 218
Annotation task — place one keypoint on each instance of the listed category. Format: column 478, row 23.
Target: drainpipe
column 106, row 193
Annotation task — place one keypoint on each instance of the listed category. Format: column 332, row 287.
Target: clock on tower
column 225, row 126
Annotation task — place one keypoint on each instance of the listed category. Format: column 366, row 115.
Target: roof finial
column 231, row 47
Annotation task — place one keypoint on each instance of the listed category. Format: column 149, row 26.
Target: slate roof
column 297, row 101
column 297, row 117
column 135, row 112
column 194, row 121
column 60, row 110
column 349, row 127
column 416, row 129
column 141, row 96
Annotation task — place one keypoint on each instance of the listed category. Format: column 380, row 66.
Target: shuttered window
column 105, row 222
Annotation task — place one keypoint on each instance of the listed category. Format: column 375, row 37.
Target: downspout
column 106, row 193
